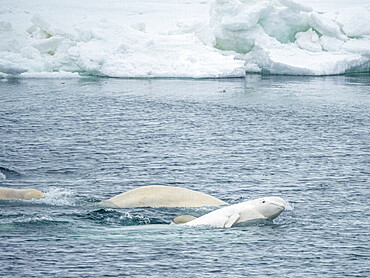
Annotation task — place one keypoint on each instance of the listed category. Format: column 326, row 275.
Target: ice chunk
column 126, row 52
column 140, row 26
column 296, row 6
column 330, row 43
column 287, row 38
column 43, row 29
column 240, row 42
column 30, row 52
column 309, row 41
column 5, row 26
column 40, row 28
column 326, row 26
column 283, row 24
column 355, row 21
column 201, row 30
column 269, row 36
column 11, row 68
column 49, row 45
column 236, row 24
column 246, row 18
column 358, row 46
column 285, row 61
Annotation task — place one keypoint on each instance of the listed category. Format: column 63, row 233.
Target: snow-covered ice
column 193, row 39
column 285, row 37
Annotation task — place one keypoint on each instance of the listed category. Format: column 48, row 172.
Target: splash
column 59, row 197
column 116, row 217
column 288, row 206
column 26, row 219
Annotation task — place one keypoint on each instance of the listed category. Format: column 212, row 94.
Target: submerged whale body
column 20, row 194
column 230, row 216
column 183, row 219
column 162, row 196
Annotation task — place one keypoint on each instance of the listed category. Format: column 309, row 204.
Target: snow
column 285, row 37
column 191, row 39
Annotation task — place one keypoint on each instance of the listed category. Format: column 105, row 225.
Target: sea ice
column 308, row 40
column 285, row 37
column 7, row 67
column 296, row 6
column 149, row 39
column 355, row 21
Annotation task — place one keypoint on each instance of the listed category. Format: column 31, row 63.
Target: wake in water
column 59, row 197
column 86, row 209
column 268, row 36
column 6, row 173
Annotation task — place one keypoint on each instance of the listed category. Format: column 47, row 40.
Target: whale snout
column 277, row 201
column 271, row 207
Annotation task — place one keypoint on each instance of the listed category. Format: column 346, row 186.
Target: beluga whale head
column 266, row 208
column 269, row 207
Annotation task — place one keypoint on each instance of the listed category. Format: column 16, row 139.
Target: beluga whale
column 20, row 194
column 238, row 214
column 161, row 196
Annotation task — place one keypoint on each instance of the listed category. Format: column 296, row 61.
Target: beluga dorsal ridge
column 162, row 196
column 230, row 216
column 20, row 194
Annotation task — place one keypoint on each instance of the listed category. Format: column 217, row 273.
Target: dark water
column 83, row 140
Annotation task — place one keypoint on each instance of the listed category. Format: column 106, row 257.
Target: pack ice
column 236, row 37
column 286, row 37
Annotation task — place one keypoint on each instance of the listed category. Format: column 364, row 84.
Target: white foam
column 289, row 206
column 26, row 219
column 58, row 197
column 128, row 216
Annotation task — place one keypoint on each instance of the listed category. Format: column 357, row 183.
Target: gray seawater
column 305, row 139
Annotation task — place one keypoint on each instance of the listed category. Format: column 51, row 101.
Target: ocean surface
column 83, row 140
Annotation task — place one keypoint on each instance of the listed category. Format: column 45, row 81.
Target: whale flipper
column 232, row 220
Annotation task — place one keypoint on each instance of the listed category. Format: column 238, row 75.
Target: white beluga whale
column 20, row 194
column 230, row 216
column 161, row 196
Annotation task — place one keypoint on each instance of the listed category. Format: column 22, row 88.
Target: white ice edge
column 270, row 36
